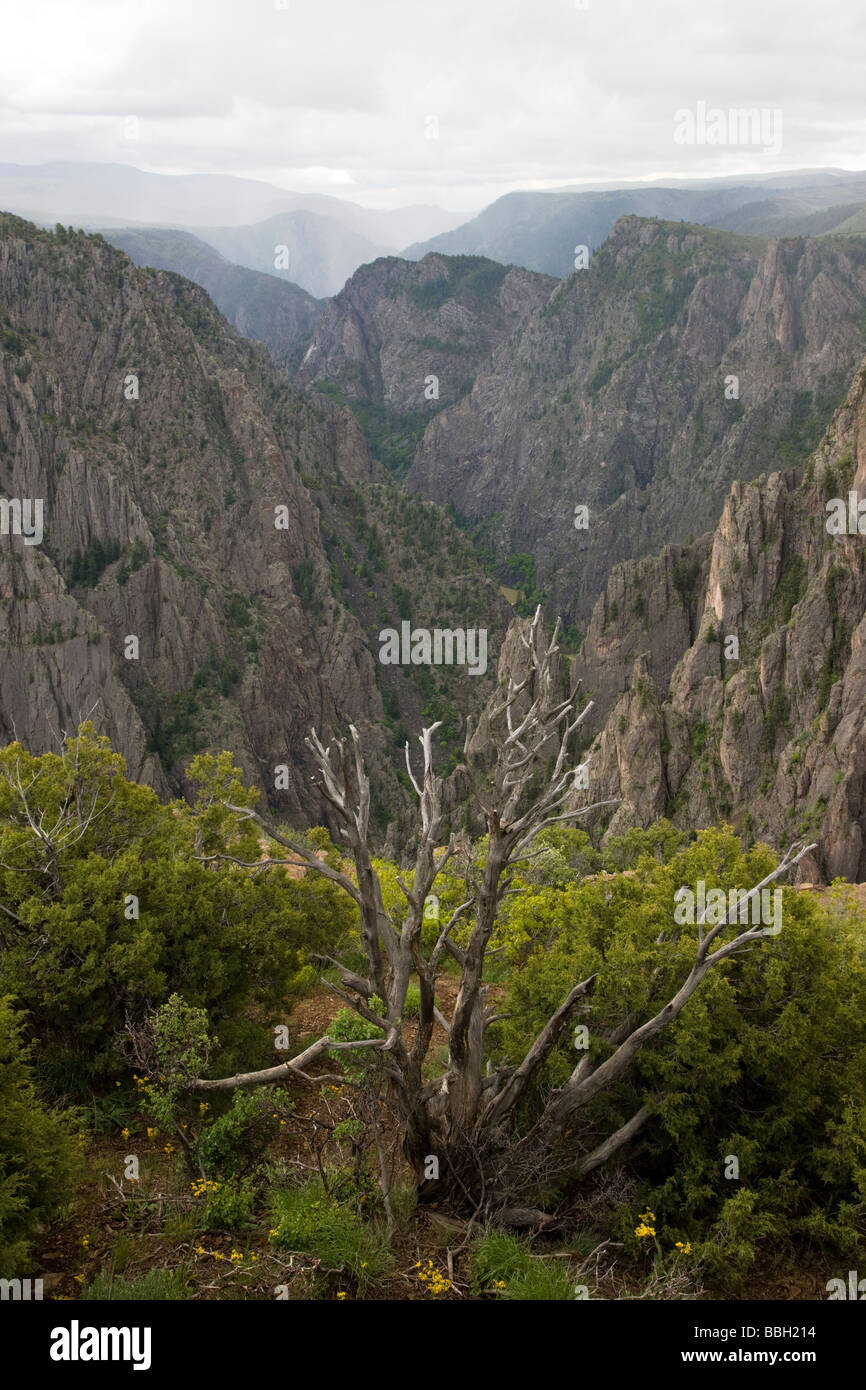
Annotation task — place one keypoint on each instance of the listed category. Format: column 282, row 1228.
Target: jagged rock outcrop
column 762, row 719
column 650, row 611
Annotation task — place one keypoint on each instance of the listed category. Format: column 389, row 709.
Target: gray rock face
column 57, row 667
column 761, row 719
column 649, row 612
column 162, row 446
column 398, row 323
column 264, row 307
column 680, row 360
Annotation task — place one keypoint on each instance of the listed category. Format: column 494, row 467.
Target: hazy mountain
column 159, row 524
column 390, row 227
column 793, row 217
column 541, row 230
column 681, row 359
column 302, row 247
column 853, row 225
column 115, row 194
column 244, row 219
column 259, row 306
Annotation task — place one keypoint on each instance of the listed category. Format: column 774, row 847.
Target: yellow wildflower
column 645, row 1229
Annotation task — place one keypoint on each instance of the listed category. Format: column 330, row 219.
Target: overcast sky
column 337, row 96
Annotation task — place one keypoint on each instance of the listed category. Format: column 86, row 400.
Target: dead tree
column 466, row 1117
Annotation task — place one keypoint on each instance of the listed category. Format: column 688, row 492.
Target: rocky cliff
column 264, row 307
column 197, row 503
column 679, row 360
column 404, row 339
column 731, row 674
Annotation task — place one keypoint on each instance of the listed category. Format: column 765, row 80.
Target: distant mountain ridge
column 303, row 247
column 114, row 192
column 540, row 230
column 327, row 237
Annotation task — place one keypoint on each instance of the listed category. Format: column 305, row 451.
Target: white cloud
column 334, row 94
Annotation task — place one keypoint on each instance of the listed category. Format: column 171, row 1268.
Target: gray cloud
column 333, row 96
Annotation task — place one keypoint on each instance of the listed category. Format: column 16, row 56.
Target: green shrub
column 791, row 587
column 764, row 1063
column 229, row 1207
column 39, row 1155
column 503, row 1264
column 80, row 961
column 776, row 718
column 86, row 566
column 574, row 846
column 236, row 1140
column 662, row 840
column 347, row 1026
column 313, row 1221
